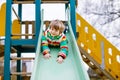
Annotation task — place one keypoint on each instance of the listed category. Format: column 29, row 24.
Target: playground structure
column 95, row 50
column 98, row 52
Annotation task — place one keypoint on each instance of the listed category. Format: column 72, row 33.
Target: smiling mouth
column 53, row 34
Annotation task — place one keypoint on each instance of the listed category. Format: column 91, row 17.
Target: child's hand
column 47, row 56
column 60, row 59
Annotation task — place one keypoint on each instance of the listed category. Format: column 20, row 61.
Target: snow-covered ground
column 104, row 15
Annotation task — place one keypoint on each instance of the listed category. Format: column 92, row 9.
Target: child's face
column 54, row 32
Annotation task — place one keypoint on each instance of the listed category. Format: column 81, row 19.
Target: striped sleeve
column 63, row 48
column 44, row 44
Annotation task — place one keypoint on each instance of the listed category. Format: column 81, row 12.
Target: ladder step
column 13, row 50
column 23, row 34
column 22, row 58
column 23, row 2
column 20, row 73
column 99, row 72
column 86, row 60
column 93, row 66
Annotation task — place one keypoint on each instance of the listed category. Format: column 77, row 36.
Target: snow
column 104, row 15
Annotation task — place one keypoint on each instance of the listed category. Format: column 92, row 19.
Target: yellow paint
column 1, row 77
column 15, row 25
column 91, row 41
column 85, row 33
column 2, row 19
column 16, row 29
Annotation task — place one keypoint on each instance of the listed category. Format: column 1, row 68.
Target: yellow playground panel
column 2, row 19
column 16, row 27
column 99, row 48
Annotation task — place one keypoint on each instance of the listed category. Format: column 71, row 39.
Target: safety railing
column 98, row 47
column 17, row 27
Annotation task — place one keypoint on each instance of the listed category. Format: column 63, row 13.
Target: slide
column 71, row 69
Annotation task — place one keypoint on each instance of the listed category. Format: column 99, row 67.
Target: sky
column 51, row 11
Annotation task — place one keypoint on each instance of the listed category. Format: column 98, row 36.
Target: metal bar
column 19, row 77
column 16, row 14
column 20, row 11
column 37, row 19
column 33, row 30
column 66, row 16
column 24, row 42
column 73, row 16
column 26, row 29
column 103, row 55
column 7, row 41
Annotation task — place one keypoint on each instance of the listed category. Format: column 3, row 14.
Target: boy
column 54, row 36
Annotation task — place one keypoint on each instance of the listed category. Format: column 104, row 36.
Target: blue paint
column 7, row 41
column 73, row 16
column 37, row 18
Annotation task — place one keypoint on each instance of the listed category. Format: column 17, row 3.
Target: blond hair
column 57, row 25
